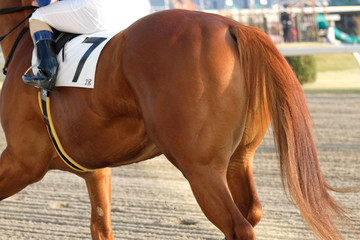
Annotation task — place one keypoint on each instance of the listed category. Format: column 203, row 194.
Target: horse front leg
column 18, row 170
column 99, row 188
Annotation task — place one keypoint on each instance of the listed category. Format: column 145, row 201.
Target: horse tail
column 272, row 85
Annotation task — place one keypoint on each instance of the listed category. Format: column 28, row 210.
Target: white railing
column 299, row 51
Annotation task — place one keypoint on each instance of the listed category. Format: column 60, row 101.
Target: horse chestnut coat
column 199, row 88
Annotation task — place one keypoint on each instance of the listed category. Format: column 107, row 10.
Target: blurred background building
column 222, row 4
column 307, row 20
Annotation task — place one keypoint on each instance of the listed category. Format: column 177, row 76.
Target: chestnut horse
column 197, row 87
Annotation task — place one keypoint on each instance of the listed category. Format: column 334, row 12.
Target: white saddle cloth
column 81, row 55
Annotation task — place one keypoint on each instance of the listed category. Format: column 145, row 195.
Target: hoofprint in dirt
column 152, row 200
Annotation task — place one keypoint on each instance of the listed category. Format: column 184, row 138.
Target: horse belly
column 95, row 141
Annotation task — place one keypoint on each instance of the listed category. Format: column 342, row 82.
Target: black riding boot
column 46, row 62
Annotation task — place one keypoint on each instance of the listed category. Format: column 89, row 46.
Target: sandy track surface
column 151, row 200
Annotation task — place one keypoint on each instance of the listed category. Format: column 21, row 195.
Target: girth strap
column 44, row 101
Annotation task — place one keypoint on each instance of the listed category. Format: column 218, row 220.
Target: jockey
column 74, row 16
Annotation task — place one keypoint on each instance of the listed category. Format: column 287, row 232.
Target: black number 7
column 96, row 41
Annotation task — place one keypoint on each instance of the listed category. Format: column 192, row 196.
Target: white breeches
column 89, row 16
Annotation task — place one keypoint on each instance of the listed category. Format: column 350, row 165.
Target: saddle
column 61, row 39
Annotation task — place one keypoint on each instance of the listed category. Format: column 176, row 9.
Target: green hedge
column 304, row 68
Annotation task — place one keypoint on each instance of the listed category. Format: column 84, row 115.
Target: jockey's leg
column 44, row 42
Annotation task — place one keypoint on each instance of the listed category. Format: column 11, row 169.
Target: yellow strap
column 44, row 97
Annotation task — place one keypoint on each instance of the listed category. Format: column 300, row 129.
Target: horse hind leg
column 242, row 187
column 208, row 183
column 240, row 168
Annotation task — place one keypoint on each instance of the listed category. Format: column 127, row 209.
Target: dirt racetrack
column 151, row 200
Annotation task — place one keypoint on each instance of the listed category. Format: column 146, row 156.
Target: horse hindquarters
column 195, row 109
